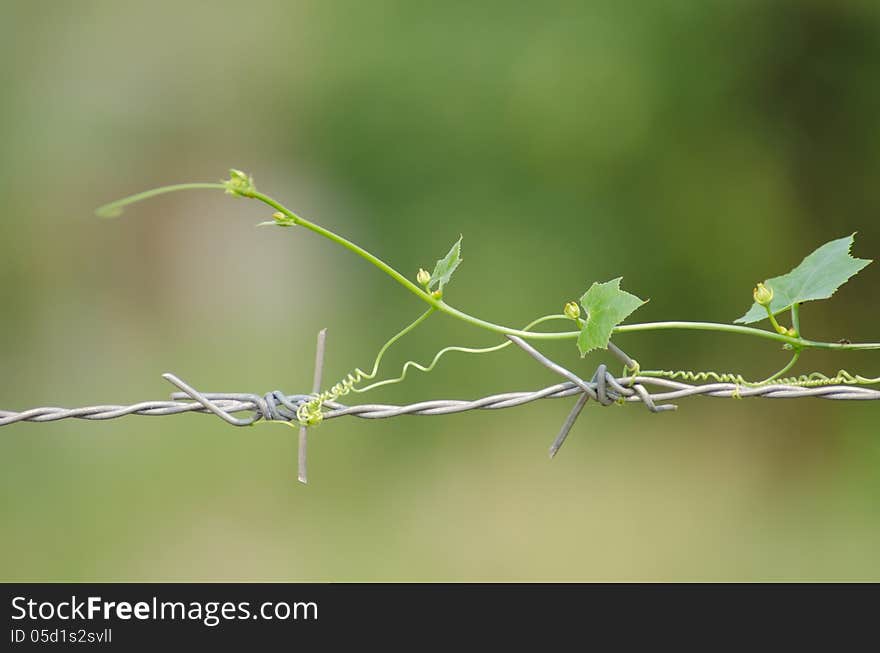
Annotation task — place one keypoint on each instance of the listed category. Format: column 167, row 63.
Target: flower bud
column 240, row 183
column 437, row 294
column 423, row 277
column 572, row 310
column 279, row 220
column 763, row 295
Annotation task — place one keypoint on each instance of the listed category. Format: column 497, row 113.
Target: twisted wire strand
column 277, row 406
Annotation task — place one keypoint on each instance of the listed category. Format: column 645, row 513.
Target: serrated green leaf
column 606, row 306
column 446, row 266
column 818, row 276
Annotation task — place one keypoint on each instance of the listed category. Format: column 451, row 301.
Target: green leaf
column 606, row 306
column 817, row 277
column 446, row 266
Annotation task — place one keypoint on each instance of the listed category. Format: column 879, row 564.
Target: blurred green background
column 692, row 147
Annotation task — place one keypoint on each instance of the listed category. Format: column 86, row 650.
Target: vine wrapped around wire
column 599, row 314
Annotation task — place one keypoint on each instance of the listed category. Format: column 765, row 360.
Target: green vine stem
column 372, row 373
column 796, row 318
column 743, row 330
column 784, row 370
column 242, row 186
column 114, row 209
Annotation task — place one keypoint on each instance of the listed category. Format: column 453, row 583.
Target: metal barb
column 302, row 476
column 549, row 364
column 207, row 403
column 622, row 356
column 569, row 422
column 597, row 388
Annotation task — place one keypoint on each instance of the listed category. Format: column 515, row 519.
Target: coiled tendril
column 812, row 380
column 310, row 413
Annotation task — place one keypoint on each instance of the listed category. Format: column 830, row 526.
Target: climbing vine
column 597, row 316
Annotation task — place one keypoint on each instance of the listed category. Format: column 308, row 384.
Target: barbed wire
column 603, row 387
column 284, row 408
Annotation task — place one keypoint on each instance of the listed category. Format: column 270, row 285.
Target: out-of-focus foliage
column 694, row 147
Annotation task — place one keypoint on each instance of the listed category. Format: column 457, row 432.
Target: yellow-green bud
column 437, row 294
column 423, row 277
column 572, row 310
column 763, row 295
column 240, row 183
column 279, row 220
column 792, row 333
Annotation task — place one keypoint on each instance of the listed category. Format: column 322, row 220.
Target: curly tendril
column 812, row 380
column 310, row 413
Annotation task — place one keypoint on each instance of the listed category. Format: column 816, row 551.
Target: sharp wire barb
column 622, row 356
column 597, row 389
column 569, row 422
column 207, row 403
column 549, row 364
column 302, row 475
